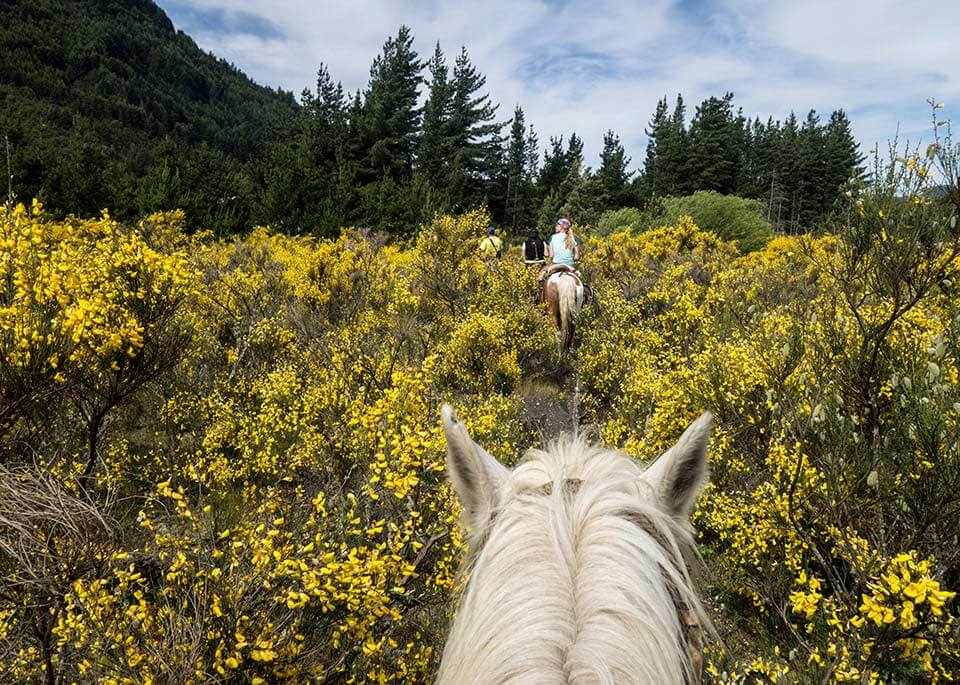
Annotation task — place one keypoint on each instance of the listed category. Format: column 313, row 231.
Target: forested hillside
column 105, row 104
column 95, row 94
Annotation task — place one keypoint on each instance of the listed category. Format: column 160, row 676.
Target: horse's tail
column 567, row 297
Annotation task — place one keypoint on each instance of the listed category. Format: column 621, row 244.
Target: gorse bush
column 831, row 365
column 222, row 461
column 264, row 493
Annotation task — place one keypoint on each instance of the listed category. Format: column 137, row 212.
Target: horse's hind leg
column 552, row 297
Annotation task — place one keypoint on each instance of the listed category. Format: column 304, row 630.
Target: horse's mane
column 577, row 577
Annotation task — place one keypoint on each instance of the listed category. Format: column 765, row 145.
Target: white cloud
column 581, row 67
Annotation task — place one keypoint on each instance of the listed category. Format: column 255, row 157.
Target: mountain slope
column 91, row 92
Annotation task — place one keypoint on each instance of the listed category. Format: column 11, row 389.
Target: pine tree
column 473, row 130
column 519, row 196
column 746, row 174
column 574, row 154
column 329, row 104
column 299, row 179
column 391, row 115
column 613, row 172
column 355, row 146
column 324, row 135
column 554, row 168
column 673, row 154
column 787, row 173
column 843, row 155
column 650, row 183
column 434, row 149
column 740, row 134
column 714, row 149
column 550, row 211
column 766, row 144
column 813, row 167
column 533, row 154
column 559, row 167
column 585, row 196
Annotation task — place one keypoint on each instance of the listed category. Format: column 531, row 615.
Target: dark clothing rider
column 533, row 249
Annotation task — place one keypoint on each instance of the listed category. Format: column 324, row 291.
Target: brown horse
column 563, row 292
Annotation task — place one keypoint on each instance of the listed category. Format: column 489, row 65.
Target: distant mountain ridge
column 93, row 92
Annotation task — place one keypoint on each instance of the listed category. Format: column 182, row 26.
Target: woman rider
column 563, row 247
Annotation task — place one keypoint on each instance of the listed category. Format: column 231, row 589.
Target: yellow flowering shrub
column 831, row 365
column 272, row 497
column 222, row 461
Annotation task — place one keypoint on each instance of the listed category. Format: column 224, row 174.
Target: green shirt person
column 491, row 246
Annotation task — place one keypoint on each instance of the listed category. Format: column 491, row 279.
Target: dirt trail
column 550, row 402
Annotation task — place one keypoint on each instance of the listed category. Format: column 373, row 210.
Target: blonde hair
column 569, row 239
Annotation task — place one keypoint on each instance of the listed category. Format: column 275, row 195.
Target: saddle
column 551, row 269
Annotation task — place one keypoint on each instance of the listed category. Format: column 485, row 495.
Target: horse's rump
column 563, row 294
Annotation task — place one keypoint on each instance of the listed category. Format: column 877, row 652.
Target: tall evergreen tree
column 613, row 172
column 673, row 154
column 649, row 184
column 844, row 159
column 585, row 196
column 745, row 186
column 550, row 210
column 560, row 172
column 327, row 107
column 740, row 133
column 813, row 167
column 766, row 145
column 533, row 154
column 554, row 168
column 391, row 115
column 754, row 176
column 714, row 148
column 574, row 154
column 474, row 131
column 787, row 194
column 324, row 129
column 435, row 149
column 520, row 190
column 298, row 178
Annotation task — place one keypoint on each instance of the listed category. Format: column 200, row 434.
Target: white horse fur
column 577, row 563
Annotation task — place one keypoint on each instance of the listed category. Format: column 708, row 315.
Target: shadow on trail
column 549, row 399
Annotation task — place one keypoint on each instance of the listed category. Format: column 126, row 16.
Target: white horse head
column 577, row 563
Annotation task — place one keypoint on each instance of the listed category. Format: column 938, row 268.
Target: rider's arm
column 576, row 251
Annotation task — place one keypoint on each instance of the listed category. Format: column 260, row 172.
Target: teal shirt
column 558, row 248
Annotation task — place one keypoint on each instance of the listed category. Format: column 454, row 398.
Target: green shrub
column 614, row 220
column 731, row 217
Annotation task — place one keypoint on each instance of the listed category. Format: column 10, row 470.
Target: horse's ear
column 680, row 473
column 474, row 474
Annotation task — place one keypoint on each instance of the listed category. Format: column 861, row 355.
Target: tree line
column 796, row 169
column 109, row 106
column 377, row 159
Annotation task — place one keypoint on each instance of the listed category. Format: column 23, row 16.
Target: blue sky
column 592, row 66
